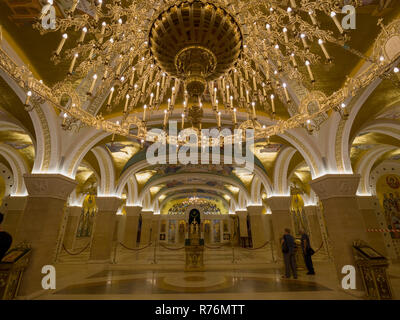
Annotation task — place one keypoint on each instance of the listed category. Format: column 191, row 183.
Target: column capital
column 367, row 202
column 241, row 213
column 255, row 210
column 74, row 211
column 147, row 214
column 336, row 186
column 279, row 203
column 54, row 186
column 132, row 211
column 108, row 204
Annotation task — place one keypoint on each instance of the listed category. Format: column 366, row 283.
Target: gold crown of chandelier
column 180, row 54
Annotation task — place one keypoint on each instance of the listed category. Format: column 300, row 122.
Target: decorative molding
column 255, row 210
column 108, row 204
column 335, row 186
column 49, row 186
column 279, row 203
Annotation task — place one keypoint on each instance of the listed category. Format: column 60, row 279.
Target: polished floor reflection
column 199, row 282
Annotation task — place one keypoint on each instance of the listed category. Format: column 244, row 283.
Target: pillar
column 131, row 226
column 14, row 209
column 280, row 218
column 71, row 228
column 147, row 216
column 311, row 213
column 344, row 222
column 155, row 227
column 40, row 224
column 368, row 207
column 257, row 225
column 242, row 216
column 103, row 229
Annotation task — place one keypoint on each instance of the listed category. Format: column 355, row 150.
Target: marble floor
column 169, row 282
column 228, row 275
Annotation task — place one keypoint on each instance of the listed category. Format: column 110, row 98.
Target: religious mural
column 299, row 217
column 86, row 219
column 388, row 190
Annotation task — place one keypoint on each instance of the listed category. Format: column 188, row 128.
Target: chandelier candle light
column 263, row 41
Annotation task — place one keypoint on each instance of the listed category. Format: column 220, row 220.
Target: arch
column 256, row 190
column 384, row 126
column 381, row 170
column 365, row 165
column 75, row 199
column 8, row 178
column 182, row 189
column 306, row 145
column 281, row 171
column 45, row 123
column 143, row 164
column 18, row 167
column 133, row 195
column 242, row 189
column 106, row 187
column 185, row 194
column 87, row 138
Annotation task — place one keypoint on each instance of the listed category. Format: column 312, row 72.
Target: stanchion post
column 155, row 252
column 272, row 251
column 115, row 253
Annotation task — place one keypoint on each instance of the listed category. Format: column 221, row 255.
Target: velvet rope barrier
column 135, row 249
column 258, row 247
column 172, row 249
column 75, row 253
column 219, row 247
column 320, row 247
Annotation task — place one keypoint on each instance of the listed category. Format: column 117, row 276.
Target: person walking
column 307, row 252
column 5, row 239
column 289, row 252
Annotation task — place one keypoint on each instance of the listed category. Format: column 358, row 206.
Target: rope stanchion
column 320, row 247
column 75, row 253
column 135, row 249
column 219, row 247
column 172, row 249
column 258, row 247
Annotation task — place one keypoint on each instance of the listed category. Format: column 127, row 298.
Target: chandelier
column 171, row 55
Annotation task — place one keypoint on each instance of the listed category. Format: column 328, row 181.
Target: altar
column 194, row 242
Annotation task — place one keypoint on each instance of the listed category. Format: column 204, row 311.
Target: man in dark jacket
column 289, row 254
column 307, row 252
column 5, row 240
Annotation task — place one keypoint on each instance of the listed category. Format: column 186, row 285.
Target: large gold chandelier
column 180, row 54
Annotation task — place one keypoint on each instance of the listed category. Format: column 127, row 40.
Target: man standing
column 307, row 252
column 5, row 240
column 289, row 254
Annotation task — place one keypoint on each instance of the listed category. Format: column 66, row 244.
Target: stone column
column 368, row 207
column 131, row 226
column 103, row 229
column 147, row 216
column 14, row 209
column 344, row 222
column 155, row 227
column 71, row 228
column 311, row 213
column 41, row 223
column 281, row 219
column 242, row 215
column 257, row 225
